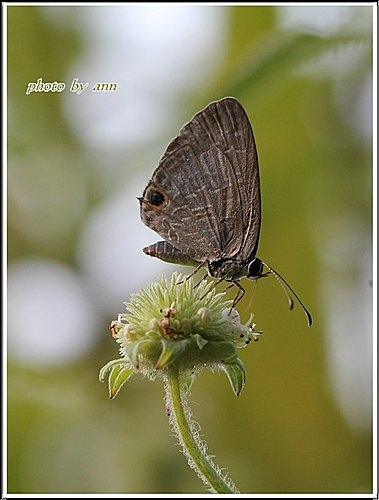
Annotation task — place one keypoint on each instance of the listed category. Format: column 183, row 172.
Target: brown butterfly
column 204, row 198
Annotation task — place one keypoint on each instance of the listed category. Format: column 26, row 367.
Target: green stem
column 193, row 447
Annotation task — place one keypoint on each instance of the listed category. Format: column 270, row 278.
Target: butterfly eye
column 255, row 269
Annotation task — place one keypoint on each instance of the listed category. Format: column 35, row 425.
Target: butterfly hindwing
column 204, row 196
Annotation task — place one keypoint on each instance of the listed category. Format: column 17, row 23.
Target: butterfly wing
column 204, row 196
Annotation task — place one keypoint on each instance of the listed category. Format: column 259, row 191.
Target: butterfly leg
column 241, row 292
column 214, row 284
column 193, row 274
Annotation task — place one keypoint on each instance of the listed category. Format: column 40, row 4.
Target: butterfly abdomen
column 167, row 252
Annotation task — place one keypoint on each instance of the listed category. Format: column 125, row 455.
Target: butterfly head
column 255, row 269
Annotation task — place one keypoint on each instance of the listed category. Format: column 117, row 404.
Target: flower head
column 177, row 322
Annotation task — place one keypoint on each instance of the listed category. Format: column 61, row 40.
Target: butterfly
column 204, row 199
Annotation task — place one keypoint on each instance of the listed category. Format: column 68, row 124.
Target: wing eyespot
column 155, row 197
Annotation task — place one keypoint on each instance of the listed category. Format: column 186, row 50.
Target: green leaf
column 117, row 378
column 107, row 367
column 200, row 341
column 186, row 381
column 236, row 375
column 281, row 54
column 171, row 350
column 134, row 350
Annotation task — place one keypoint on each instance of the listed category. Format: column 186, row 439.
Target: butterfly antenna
column 249, row 307
column 283, row 282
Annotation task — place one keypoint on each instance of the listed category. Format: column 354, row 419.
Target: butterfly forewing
column 204, row 196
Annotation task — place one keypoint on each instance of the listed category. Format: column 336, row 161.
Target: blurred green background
column 77, row 162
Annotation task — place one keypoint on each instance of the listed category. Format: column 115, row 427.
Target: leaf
column 171, row 350
column 282, row 54
column 107, row 367
column 117, row 378
column 236, row 375
column 200, row 341
column 134, row 350
column 186, row 382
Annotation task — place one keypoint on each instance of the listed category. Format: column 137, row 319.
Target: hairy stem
column 194, row 449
